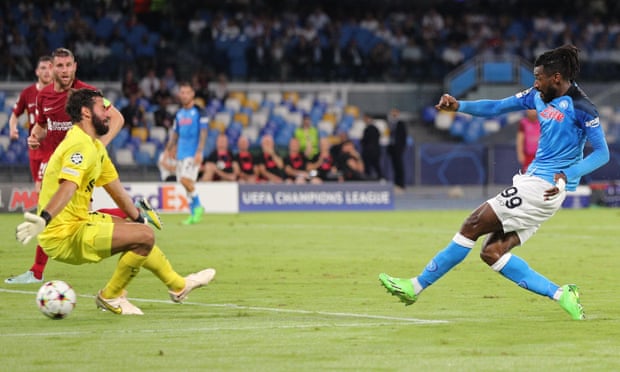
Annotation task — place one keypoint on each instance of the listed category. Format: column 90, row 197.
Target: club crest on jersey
column 77, row 158
column 563, row 104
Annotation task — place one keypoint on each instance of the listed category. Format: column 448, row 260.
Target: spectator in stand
column 219, row 165
column 396, row 148
column 133, row 113
column 336, row 149
column 220, row 88
column 248, row 170
column 129, row 85
column 270, row 164
column 167, row 165
column 162, row 117
column 149, row 84
column 20, row 54
column 259, row 60
column 355, row 62
column 350, row 163
column 200, row 82
column 324, row 163
column 296, row 164
column 371, row 149
column 527, row 139
column 308, row 137
column 169, row 81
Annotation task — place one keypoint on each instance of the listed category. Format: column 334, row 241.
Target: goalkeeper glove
column 32, row 226
column 147, row 214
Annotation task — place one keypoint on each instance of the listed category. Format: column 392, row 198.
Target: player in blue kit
column 567, row 120
column 189, row 134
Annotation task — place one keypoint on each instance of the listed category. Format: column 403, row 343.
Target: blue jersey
column 565, row 124
column 187, row 124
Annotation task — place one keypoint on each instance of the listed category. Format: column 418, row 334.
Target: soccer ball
column 56, row 299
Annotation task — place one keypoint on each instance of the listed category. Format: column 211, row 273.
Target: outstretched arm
column 120, row 196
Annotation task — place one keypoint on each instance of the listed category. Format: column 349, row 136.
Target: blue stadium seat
column 143, row 158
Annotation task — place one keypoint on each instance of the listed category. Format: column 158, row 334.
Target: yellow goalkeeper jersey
column 84, row 161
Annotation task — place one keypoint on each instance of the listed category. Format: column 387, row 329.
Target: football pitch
column 299, row 292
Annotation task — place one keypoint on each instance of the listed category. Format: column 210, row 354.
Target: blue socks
column 445, row 260
column 517, row 270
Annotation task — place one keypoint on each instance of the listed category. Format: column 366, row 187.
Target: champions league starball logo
column 77, row 158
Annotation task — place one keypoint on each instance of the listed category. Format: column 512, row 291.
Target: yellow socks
column 158, row 264
column 128, row 266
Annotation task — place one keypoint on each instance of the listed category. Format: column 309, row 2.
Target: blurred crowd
column 289, row 40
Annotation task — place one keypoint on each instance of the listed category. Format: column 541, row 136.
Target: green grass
column 299, row 291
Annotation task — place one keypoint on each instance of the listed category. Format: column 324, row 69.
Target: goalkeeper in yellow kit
column 68, row 232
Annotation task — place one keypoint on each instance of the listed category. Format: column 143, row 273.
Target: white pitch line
column 269, row 309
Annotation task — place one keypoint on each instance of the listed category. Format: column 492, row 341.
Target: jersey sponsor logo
column 523, row 93
column 593, row 123
column 77, row 158
column 59, row 125
column 552, row 113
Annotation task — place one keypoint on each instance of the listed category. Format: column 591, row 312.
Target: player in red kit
column 27, row 102
column 51, row 124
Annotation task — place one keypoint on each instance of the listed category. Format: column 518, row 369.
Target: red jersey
column 27, row 101
column 51, row 114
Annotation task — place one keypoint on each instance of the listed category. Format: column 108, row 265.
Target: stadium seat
column 239, row 96
column 251, row 105
column 159, row 133
column 141, row 133
column 259, row 119
column 294, row 118
column 149, row 118
column 223, row 117
column 242, row 118
column 4, row 119
column 251, row 133
column 143, row 158
column 149, row 148
column 292, row 97
column 281, row 111
column 357, row 129
column 232, row 104
column 329, row 116
column 326, row 126
column 124, row 157
column 255, row 97
column 217, row 126
column 5, row 141
column 305, row 105
column 274, row 97
column 352, row 110
column 328, row 98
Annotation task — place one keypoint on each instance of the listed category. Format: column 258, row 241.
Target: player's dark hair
column 79, row 98
column 185, row 83
column 564, row 60
column 45, row 58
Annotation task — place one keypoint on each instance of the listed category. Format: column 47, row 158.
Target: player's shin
column 445, row 260
column 158, row 264
column 127, row 268
column 517, row 270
